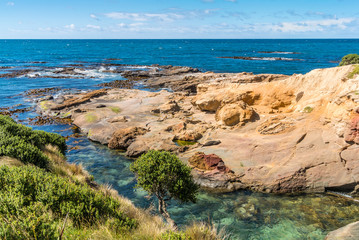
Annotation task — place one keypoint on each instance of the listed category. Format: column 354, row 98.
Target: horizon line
column 179, row 39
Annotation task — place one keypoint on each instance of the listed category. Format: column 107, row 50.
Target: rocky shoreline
column 273, row 133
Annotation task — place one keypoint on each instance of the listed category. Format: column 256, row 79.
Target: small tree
column 162, row 174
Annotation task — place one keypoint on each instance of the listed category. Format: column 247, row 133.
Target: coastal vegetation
column 162, row 174
column 349, row 59
column 353, row 73
column 44, row 197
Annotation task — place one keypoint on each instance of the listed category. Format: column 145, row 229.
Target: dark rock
column 101, row 106
column 211, row 143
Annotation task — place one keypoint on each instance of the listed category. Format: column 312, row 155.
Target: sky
column 180, row 19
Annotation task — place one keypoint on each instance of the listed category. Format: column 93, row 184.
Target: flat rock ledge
column 348, row 232
column 269, row 133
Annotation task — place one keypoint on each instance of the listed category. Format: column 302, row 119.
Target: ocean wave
column 264, row 58
column 278, row 52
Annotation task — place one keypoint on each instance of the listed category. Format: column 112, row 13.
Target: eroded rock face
column 123, row 138
column 352, row 133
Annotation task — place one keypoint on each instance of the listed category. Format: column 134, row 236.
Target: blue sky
column 179, row 19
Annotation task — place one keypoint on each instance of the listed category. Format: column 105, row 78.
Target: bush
column 349, row 59
column 28, row 194
column 25, row 144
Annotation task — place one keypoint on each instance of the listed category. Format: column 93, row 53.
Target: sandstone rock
column 216, row 180
column 208, row 162
column 170, row 107
column 188, row 135
column 177, row 128
column 137, row 148
column 118, row 119
column 232, row 114
column 352, row 133
column 208, row 103
column 275, row 125
column 348, row 232
column 122, row 138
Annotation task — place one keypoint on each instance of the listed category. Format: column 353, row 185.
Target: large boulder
column 208, row 103
column 208, row 162
column 234, row 113
column 123, row 138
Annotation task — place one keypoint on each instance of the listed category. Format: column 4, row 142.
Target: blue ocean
column 243, row 215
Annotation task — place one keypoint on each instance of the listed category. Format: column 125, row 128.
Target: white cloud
column 143, row 17
column 94, row 16
column 94, row 27
column 70, row 26
column 312, row 25
column 10, row 4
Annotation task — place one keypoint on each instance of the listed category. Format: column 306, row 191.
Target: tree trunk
column 162, row 208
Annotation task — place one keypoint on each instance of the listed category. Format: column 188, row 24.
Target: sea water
column 243, row 214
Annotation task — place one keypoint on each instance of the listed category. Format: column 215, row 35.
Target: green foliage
column 25, row 222
column 29, row 194
column 354, row 72
column 162, row 173
column 25, row 144
column 174, row 236
column 349, row 59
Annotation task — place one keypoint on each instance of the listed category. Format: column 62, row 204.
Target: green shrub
column 30, row 191
column 349, row 59
column 174, row 236
column 25, row 222
column 25, row 144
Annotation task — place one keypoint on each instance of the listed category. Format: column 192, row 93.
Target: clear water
column 244, row 215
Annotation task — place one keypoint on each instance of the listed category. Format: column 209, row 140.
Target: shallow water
column 244, row 215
